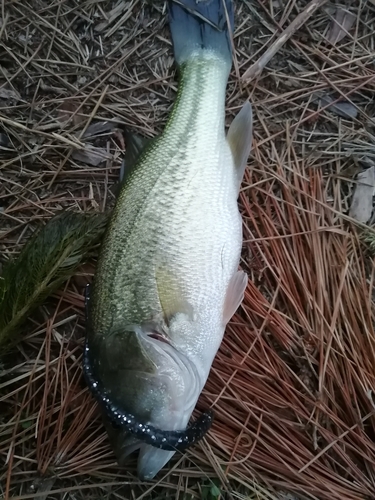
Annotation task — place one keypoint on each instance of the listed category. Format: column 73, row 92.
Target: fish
column 168, row 280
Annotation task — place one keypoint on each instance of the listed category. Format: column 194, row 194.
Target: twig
column 255, row 70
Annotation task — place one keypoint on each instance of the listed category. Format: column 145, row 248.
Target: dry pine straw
column 292, row 383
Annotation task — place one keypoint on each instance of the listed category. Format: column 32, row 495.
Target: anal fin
column 239, row 139
column 171, row 296
column 235, row 294
column 135, row 145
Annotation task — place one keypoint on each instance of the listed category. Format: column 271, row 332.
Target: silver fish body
column 167, row 280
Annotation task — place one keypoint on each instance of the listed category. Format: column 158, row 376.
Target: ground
column 292, row 385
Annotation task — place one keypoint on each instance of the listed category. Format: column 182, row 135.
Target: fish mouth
column 158, row 336
column 179, row 440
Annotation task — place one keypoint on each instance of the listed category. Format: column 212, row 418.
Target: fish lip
column 161, row 337
column 179, row 440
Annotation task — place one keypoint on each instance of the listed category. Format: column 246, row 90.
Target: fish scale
column 167, row 280
column 179, row 189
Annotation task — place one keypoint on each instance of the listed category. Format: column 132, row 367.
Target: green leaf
column 26, row 424
column 215, row 491
column 211, row 491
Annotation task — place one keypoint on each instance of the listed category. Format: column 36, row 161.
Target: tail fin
column 200, row 24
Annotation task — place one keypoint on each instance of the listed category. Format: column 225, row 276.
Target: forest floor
column 293, row 383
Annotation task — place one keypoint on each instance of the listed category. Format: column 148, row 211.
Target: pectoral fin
column 170, row 295
column 234, row 296
column 239, row 139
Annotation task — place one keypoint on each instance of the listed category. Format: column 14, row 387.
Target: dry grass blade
column 293, row 383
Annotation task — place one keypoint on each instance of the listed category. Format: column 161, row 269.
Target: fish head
column 148, row 381
column 145, row 375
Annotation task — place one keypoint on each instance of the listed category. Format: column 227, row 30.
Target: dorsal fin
column 135, row 145
column 235, row 294
column 239, row 139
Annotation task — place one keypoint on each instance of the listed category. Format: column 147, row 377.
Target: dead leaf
column 344, row 109
column 111, row 16
column 4, row 140
column 276, row 4
column 117, row 134
column 9, row 94
column 362, row 202
column 98, row 128
column 67, row 110
column 341, row 23
column 91, row 155
column 45, row 485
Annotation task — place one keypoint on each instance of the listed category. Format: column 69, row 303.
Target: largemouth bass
column 167, row 280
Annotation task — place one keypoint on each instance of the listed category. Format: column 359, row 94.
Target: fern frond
column 50, row 257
